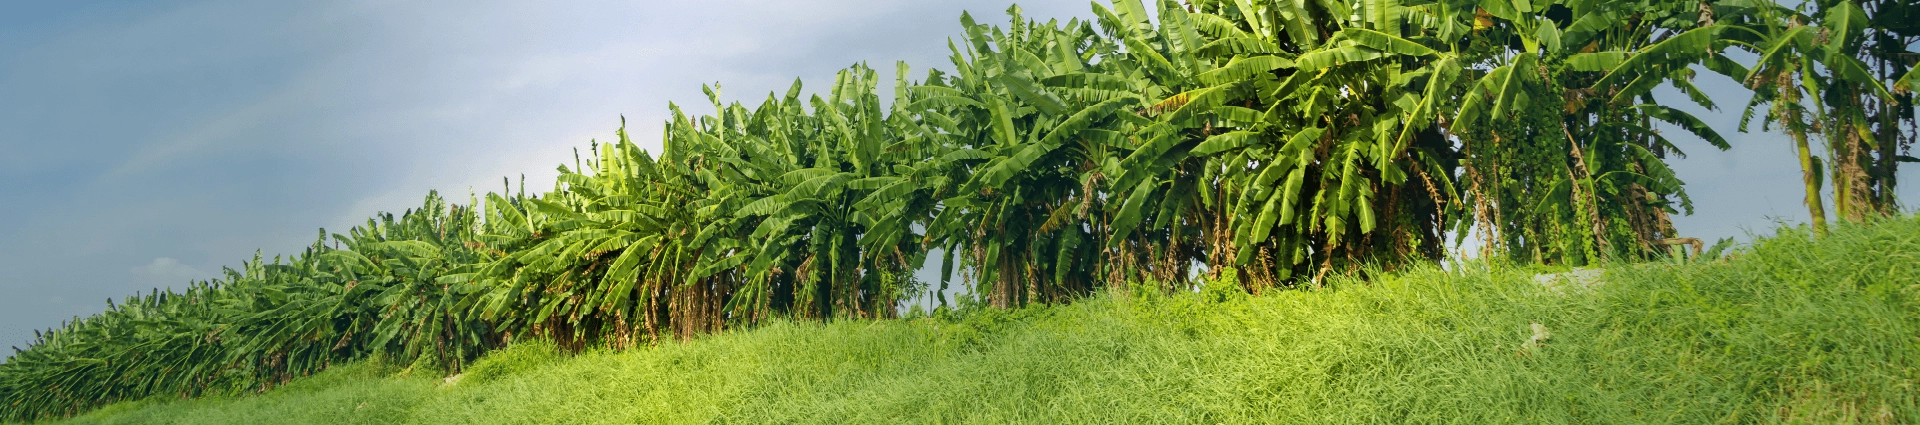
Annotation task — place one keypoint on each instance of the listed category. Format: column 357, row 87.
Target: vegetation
column 1268, row 144
column 1792, row 330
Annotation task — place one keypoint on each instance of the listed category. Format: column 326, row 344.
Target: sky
column 144, row 144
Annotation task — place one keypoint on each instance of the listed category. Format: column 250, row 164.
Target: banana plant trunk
column 1810, row 175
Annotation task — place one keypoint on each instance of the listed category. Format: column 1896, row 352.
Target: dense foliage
column 1277, row 141
column 1792, row 329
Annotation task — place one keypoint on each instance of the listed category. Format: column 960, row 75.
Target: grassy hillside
column 1055, row 160
column 1790, row 330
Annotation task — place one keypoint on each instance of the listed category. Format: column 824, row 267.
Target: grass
column 362, row 393
column 1791, row 330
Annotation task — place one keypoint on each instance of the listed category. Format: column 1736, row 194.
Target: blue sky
column 144, row 144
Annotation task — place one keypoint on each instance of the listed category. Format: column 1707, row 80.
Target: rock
column 1581, row 278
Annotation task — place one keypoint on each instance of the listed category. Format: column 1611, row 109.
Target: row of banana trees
column 1276, row 140
column 373, row 291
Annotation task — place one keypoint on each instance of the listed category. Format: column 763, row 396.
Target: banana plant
column 1563, row 162
column 1279, row 140
column 811, row 213
column 1814, row 72
column 265, row 323
column 1314, row 125
column 1789, row 79
column 1020, row 129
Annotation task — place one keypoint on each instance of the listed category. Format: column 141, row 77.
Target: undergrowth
column 1789, row 330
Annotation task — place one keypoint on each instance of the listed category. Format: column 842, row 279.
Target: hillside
column 1791, row 329
column 1052, row 163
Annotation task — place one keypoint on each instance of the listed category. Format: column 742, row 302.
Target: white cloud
column 164, row 272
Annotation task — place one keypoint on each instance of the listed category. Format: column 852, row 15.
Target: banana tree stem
column 1810, row 176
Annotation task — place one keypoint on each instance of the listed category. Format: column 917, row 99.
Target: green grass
column 362, row 393
column 1792, row 330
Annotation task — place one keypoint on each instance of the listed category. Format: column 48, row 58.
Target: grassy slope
column 1791, row 331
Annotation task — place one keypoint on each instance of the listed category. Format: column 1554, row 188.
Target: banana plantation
column 1154, row 146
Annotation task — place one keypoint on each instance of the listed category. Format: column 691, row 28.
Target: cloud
column 164, row 272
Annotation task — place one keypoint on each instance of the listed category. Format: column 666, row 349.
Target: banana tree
column 813, row 213
column 1563, row 163
column 1315, row 124
column 1863, row 50
column 1016, row 135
